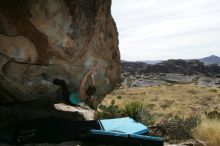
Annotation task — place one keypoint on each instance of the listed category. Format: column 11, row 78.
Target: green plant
column 213, row 90
column 151, row 106
column 166, row 103
column 212, row 114
column 192, row 91
column 134, row 109
column 177, row 128
column 137, row 111
column 118, row 97
column 106, row 112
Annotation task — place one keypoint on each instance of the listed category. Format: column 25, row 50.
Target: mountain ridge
column 212, row 59
column 188, row 67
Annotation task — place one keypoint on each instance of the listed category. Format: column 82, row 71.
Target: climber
column 81, row 97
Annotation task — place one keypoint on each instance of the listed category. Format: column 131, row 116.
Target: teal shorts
column 74, row 98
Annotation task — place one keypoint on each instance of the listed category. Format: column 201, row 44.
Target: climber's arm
column 82, row 92
column 93, row 80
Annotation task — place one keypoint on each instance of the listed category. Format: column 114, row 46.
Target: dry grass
column 179, row 101
column 182, row 100
column 209, row 132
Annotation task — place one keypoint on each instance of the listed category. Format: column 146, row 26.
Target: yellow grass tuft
column 209, row 132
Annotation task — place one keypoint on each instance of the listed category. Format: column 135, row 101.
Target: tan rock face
column 62, row 38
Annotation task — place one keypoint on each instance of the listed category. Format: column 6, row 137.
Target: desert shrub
column 151, row 106
column 195, row 80
column 177, row 128
column 133, row 109
column 213, row 90
column 147, row 118
column 137, row 111
column 166, row 103
column 209, row 132
column 192, row 91
column 108, row 111
column 212, row 114
column 155, row 99
column 118, row 97
column 164, row 106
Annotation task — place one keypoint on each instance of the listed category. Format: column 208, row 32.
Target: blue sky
column 164, row 29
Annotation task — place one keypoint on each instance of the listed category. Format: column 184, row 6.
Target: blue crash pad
column 123, row 125
column 100, row 132
column 143, row 137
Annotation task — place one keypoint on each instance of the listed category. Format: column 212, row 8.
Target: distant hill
column 179, row 66
column 176, row 66
column 132, row 67
column 143, row 61
column 213, row 59
column 151, row 61
column 210, row 60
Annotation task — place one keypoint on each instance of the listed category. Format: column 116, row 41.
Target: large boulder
column 62, row 38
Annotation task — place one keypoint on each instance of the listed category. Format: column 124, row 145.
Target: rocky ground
column 139, row 74
column 147, row 80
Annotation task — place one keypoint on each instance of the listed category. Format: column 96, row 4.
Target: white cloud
column 162, row 29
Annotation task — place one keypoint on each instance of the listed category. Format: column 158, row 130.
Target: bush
column 213, row 90
column 209, row 132
column 166, row 103
column 192, row 91
column 134, row 109
column 137, row 111
column 176, row 128
column 107, row 112
column 212, row 114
